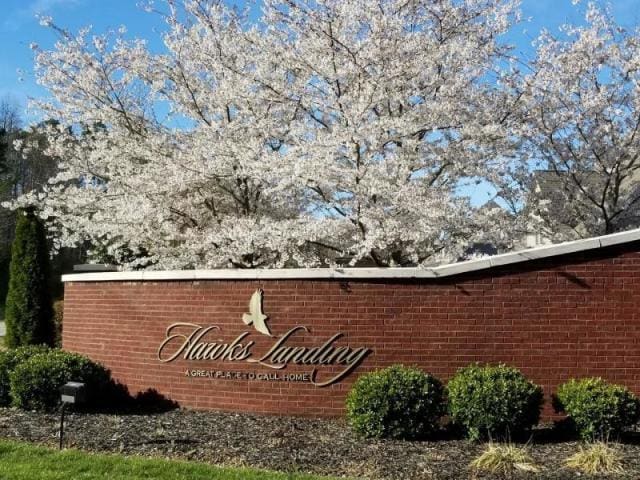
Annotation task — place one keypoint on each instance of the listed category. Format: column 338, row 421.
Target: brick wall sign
column 293, row 341
column 204, row 344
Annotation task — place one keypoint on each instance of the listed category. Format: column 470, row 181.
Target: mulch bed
column 282, row 443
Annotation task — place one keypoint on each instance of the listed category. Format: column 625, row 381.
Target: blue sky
column 19, row 28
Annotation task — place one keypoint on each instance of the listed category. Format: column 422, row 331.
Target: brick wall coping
column 364, row 273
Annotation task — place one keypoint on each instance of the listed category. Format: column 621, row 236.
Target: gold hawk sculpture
column 255, row 314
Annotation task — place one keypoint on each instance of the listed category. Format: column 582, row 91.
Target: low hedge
column 9, row 359
column 495, row 402
column 596, row 409
column 35, row 382
column 396, row 402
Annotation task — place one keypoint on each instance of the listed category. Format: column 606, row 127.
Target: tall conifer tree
column 28, row 312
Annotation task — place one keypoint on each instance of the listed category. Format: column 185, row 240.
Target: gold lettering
column 320, row 353
column 191, row 345
column 194, row 339
column 216, row 351
column 186, row 340
column 353, row 360
column 275, row 347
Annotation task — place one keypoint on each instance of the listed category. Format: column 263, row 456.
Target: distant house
column 546, row 185
column 559, row 216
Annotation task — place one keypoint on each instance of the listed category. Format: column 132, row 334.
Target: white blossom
column 580, row 120
column 331, row 129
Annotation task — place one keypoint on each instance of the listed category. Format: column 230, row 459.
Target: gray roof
column 550, row 182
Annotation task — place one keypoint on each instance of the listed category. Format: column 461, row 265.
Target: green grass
column 21, row 461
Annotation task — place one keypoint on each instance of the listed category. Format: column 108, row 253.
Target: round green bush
column 597, row 409
column 36, row 382
column 396, row 402
column 9, row 359
column 496, row 402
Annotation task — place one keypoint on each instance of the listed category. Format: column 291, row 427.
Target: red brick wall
column 563, row 317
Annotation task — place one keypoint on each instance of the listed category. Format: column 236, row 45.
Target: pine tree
column 28, row 311
column 4, row 147
column 5, row 247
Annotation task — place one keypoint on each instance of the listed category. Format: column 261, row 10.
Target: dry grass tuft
column 504, row 458
column 596, row 458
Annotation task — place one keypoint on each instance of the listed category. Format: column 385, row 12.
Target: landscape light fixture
column 72, row 393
